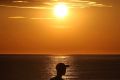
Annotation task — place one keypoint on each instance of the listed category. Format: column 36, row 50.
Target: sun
column 61, row 10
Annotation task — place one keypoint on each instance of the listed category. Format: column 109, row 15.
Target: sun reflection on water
column 62, row 59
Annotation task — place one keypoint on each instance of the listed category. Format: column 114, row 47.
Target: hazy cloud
column 17, row 17
column 34, row 18
column 50, row 4
column 20, row 1
column 79, row 4
column 41, row 18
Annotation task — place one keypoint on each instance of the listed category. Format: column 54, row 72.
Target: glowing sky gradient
column 29, row 26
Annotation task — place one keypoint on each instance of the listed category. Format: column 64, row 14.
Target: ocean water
column 38, row 67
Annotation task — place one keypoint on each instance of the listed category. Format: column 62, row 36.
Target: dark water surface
column 37, row 67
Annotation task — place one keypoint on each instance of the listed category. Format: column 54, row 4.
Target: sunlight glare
column 60, row 10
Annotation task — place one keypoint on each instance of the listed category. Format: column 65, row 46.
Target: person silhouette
column 61, row 70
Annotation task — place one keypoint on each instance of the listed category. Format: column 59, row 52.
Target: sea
column 42, row 67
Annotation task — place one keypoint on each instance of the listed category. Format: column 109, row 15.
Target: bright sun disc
column 60, row 10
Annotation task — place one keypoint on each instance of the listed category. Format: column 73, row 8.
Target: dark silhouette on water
column 61, row 70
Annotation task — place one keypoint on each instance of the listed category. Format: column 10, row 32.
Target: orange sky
column 84, row 30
